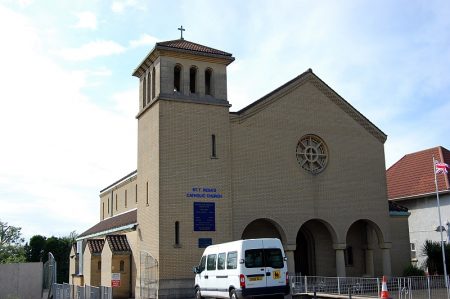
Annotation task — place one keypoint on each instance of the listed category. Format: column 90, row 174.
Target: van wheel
column 198, row 295
column 233, row 294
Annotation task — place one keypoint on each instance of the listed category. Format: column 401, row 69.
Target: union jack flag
column 441, row 167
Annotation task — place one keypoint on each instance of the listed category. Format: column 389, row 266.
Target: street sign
column 115, row 280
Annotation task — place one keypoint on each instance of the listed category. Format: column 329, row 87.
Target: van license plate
column 255, row 278
column 276, row 274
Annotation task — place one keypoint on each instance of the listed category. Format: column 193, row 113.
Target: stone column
column 386, row 257
column 368, row 253
column 340, row 259
column 370, row 269
column 289, row 251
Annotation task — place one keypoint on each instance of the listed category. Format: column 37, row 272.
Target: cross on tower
column 181, row 30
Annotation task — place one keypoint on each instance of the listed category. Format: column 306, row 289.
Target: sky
column 68, row 100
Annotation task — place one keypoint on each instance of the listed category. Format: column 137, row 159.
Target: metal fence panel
column 430, row 287
column 68, row 291
column 149, row 276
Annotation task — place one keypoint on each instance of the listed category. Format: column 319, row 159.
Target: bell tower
column 184, row 159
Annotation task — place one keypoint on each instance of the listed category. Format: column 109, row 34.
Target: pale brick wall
column 268, row 181
column 106, row 265
column 400, row 248
column 123, row 198
column 186, row 163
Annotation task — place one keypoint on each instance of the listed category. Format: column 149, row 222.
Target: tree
column 11, row 244
column 35, row 249
column 433, row 252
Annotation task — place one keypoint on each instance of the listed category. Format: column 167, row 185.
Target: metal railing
column 68, row 291
column 416, row 287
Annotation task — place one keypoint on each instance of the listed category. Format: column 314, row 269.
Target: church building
column 300, row 164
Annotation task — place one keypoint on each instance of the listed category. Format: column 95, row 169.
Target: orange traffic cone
column 384, row 291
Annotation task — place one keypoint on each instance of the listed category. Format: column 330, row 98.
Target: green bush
column 412, row 270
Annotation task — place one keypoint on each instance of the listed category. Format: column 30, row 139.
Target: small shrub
column 412, row 270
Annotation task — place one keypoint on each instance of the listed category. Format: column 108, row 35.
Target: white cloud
column 86, row 19
column 121, row 5
column 59, row 147
column 144, row 40
column 92, row 50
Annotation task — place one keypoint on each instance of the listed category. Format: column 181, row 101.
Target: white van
column 242, row 269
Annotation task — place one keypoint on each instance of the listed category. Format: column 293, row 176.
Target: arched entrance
column 262, row 228
column 363, row 255
column 314, row 253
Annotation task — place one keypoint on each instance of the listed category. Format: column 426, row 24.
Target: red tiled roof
column 111, row 223
column 413, row 174
column 95, row 245
column 183, row 44
column 118, row 243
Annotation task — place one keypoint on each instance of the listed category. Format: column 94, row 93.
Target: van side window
column 273, row 258
column 232, row 260
column 202, row 264
column 211, row 262
column 254, row 258
column 221, row 261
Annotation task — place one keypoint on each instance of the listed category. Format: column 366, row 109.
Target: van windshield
column 269, row 257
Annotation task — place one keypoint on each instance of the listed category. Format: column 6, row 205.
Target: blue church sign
column 204, row 242
column 204, row 216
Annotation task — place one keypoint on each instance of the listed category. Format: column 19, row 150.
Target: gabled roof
column 95, row 245
column 334, row 97
column 413, row 175
column 118, row 244
column 182, row 46
column 120, row 221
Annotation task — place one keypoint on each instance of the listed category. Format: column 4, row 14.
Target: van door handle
column 206, row 276
column 267, row 273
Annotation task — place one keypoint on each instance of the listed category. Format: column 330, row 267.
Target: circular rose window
column 312, row 153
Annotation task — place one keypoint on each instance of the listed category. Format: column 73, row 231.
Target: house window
column 99, row 265
column 122, row 266
column 135, row 192
column 348, row 255
column 177, row 78
column 108, row 205
column 208, row 75
column 213, row 146
column 126, row 199
column 103, row 210
column 116, row 202
column 413, row 251
column 153, row 83
column 192, row 79
column 177, row 233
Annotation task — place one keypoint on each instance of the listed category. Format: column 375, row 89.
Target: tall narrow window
column 177, row 78
column 213, row 146
column 144, row 91
column 135, row 192
column 149, row 91
column 192, row 79
column 208, row 75
column 103, row 210
column 126, row 199
column 122, row 266
column 108, row 205
column 116, row 202
column 147, row 194
column 153, row 82
column 177, row 233
column 99, row 265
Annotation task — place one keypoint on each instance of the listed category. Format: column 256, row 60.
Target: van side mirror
column 241, row 261
column 195, row 270
column 285, row 258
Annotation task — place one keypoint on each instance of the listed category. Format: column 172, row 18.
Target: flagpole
column 440, row 225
